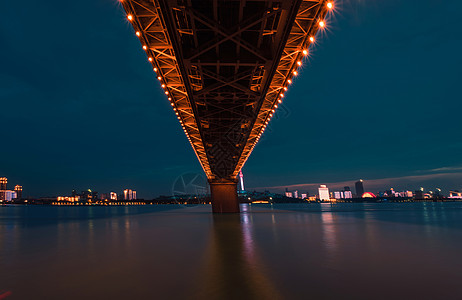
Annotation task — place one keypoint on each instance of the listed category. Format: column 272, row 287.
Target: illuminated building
column 68, row 199
column 455, row 195
column 289, row 194
column 129, row 194
column 348, row 194
column 18, row 190
column 296, row 194
column 339, row 195
column 6, row 195
column 3, row 182
column 368, row 195
column 359, row 188
column 113, row 195
column 304, row 196
column 88, row 195
column 323, row 191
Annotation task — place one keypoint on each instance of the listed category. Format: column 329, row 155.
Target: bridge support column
column 224, row 197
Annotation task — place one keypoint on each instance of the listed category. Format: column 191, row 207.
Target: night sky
column 379, row 99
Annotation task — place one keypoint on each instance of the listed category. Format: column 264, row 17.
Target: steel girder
column 224, row 66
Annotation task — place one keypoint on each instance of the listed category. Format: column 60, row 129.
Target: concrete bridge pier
column 224, row 196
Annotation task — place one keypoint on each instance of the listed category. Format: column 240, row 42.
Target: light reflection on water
column 324, row 251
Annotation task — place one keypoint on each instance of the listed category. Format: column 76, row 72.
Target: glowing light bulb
column 159, row 78
column 280, row 100
column 321, row 23
column 137, row 33
column 330, row 5
column 145, row 47
column 130, row 17
column 281, row 94
column 166, row 92
column 305, row 52
column 163, row 85
column 150, row 58
column 155, row 69
column 311, row 39
column 289, row 81
column 299, row 63
column 285, row 89
column 295, row 73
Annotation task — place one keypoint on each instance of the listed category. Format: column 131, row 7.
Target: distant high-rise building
column 113, row 195
column 295, row 194
column 18, row 190
column 359, row 188
column 129, row 194
column 323, row 191
column 3, row 182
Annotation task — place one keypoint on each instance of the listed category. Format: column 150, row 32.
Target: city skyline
column 90, row 114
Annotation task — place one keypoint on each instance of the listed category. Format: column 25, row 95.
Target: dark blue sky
column 379, row 99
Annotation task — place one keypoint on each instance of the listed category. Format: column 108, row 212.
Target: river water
column 299, row 251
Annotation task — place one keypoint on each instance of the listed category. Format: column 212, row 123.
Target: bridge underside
column 224, row 66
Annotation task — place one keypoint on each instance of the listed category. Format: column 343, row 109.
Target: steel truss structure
column 224, row 66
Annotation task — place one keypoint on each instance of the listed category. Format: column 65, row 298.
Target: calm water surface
column 303, row 251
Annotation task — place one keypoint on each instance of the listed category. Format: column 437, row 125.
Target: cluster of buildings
column 344, row 195
column 324, row 194
column 93, row 197
column 7, row 195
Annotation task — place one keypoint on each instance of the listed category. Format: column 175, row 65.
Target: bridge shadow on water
column 233, row 268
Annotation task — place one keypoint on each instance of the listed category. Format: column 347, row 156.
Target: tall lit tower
column 241, row 180
column 18, row 190
column 359, row 188
column 3, row 182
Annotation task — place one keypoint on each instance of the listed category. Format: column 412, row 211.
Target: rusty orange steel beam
column 225, row 100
